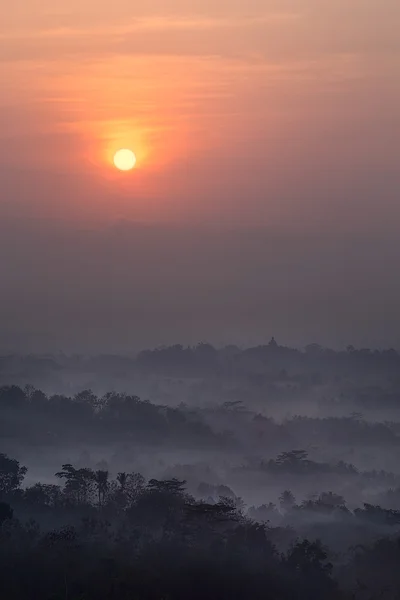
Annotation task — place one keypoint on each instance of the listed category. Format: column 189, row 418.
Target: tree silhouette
column 43, row 494
column 287, row 500
column 11, row 474
column 331, row 499
column 6, row 512
column 78, row 482
column 102, row 483
column 122, row 479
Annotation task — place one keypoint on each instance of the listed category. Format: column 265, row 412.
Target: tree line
column 97, row 537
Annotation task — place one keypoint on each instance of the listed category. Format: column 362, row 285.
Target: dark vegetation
column 97, row 537
column 273, row 474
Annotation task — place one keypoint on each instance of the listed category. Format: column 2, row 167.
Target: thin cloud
column 146, row 23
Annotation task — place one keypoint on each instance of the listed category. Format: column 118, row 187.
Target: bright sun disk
column 124, row 159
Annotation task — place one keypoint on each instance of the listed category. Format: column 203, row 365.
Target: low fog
column 256, row 421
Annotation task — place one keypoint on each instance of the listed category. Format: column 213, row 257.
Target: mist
column 124, row 287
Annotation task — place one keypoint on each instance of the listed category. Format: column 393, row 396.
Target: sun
column 124, row 159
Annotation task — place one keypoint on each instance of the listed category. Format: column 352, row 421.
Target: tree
column 78, row 482
column 122, row 479
column 313, row 349
column 36, row 398
column 307, row 563
column 102, row 483
column 377, row 514
column 168, row 486
column 11, row 474
column 292, row 457
column 293, row 461
column 251, row 542
column 12, row 396
column 6, row 512
column 127, row 489
column 207, row 521
column 287, row 500
column 161, row 506
column 308, row 557
column 43, row 494
column 331, row 499
column 86, row 397
column 134, row 487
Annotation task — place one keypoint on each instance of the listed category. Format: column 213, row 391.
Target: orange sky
column 260, row 111
column 266, row 194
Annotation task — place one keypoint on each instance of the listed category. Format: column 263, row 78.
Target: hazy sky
column 266, row 196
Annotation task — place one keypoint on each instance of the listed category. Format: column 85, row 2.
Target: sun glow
column 124, row 159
